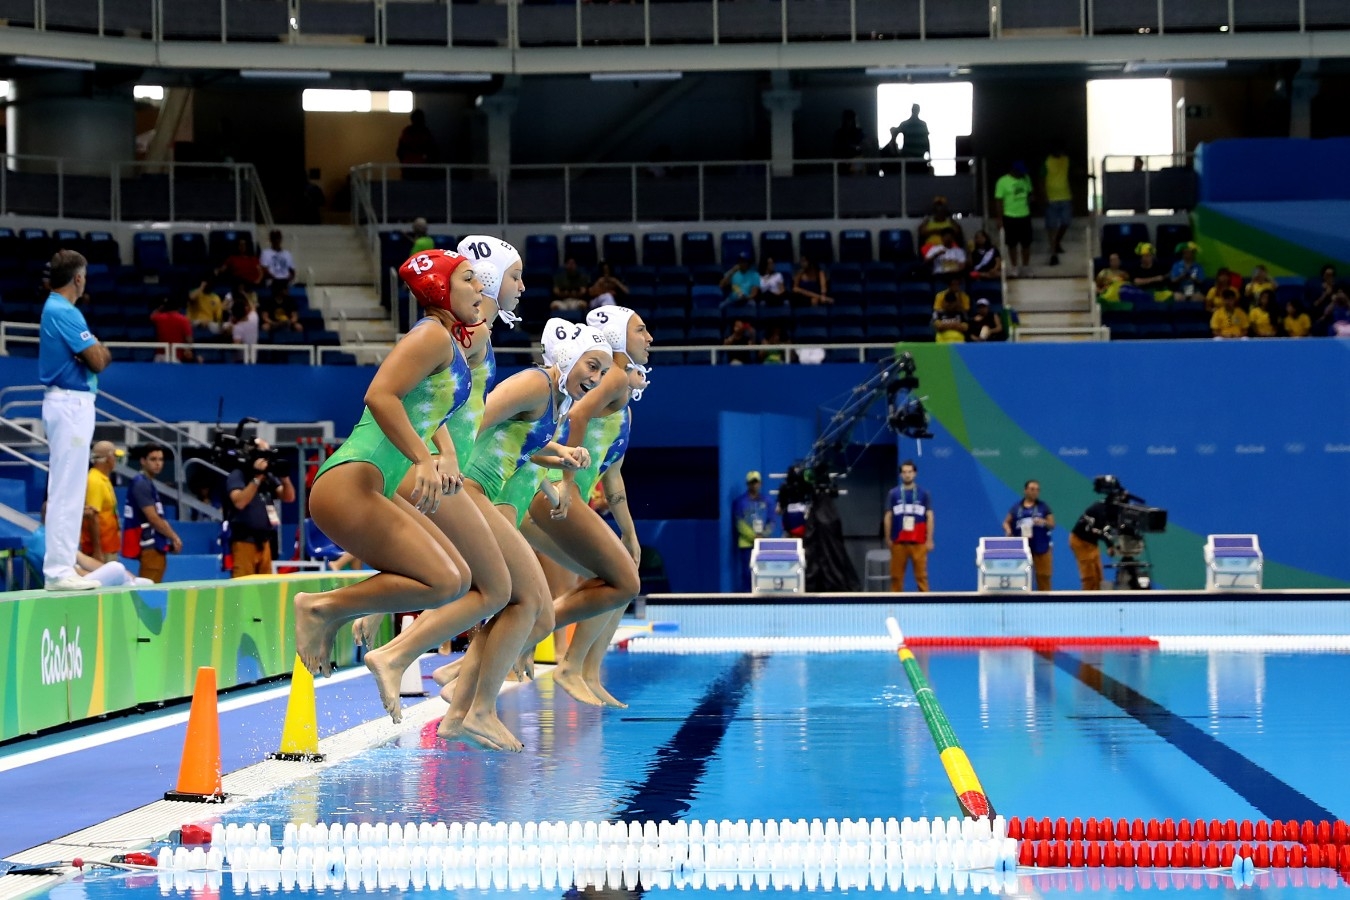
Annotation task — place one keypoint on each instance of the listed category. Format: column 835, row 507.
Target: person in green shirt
column 1012, row 195
column 421, row 241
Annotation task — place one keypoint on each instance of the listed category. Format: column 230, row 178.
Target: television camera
column 1127, row 519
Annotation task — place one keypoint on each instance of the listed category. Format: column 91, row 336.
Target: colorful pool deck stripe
column 969, row 792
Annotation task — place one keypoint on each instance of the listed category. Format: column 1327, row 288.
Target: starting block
column 778, row 566
column 1233, row 562
column 1003, row 564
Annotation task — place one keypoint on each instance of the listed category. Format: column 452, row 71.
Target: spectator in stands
column 278, row 265
column 253, row 513
column 1012, row 196
column 742, row 335
column 608, row 290
column 101, row 535
column 950, row 324
column 849, row 143
column 243, row 318
column 1223, row 280
column 242, row 266
column 938, row 220
column 1261, row 316
column 280, row 314
column 1326, row 289
column 986, row 263
column 206, row 309
column 146, row 534
column 772, row 287
column 1336, row 319
column 1296, row 322
column 1229, row 321
column 1148, row 274
column 173, row 327
column 421, row 241
column 955, row 288
column 69, row 360
column 1260, row 282
column 1187, row 273
column 1111, row 279
column 986, row 324
column 810, row 285
column 416, row 147
column 916, row 148
column 950, row 258
column 570, row 287
column 740, row 284
column 891, row 151
column 1058, row 199
column 775, row 336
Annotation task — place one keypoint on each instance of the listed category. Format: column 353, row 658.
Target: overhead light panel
column 636, row 76
column 1154, row 67
column 912, row 71
column 432, row 77
column 153, row 92
column 40, row 62
column 285, row 74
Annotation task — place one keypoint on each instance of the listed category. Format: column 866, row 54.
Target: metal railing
column 131, row 191
column 652, row 22
column 386, row 193
column 1143, row 184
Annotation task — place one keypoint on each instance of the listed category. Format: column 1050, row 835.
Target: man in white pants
column 69, row 360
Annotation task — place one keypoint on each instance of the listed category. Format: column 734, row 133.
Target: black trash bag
column 828, row 568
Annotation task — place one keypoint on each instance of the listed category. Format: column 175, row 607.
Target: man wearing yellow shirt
column 1229, row 321
column 1058, row 201
column 1297, row 323
column 205, row 308
column 101, row 534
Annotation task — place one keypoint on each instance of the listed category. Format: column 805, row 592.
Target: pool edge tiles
column 243, row 786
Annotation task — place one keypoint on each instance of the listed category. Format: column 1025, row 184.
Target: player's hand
column 579, row 457
column 563, row 505
column 426, row 492
column 630, row 543
column 452, row 480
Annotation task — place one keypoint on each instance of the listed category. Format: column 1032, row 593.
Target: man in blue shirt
column 1033, row 520
column 751, row 518
column 69, row 360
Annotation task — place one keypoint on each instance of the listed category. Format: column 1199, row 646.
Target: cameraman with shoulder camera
column 1090, row 529
column 254, row 519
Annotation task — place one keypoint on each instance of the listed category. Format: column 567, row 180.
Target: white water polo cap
column 491, row 258
column 612, row 322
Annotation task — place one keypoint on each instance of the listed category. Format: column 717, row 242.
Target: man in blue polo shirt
column 69, row 360
column 1033, row 520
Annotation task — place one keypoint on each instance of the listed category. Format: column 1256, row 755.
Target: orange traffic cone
column 199, row 772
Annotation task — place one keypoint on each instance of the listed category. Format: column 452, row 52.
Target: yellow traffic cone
column 300, row 733
column 546, row 651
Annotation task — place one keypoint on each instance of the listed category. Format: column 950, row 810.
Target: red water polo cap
column 427, row 276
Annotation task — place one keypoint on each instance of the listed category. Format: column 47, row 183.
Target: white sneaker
column 72, row 583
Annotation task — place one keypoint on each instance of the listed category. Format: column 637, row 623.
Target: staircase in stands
column 1055, row 303
column 336, row 265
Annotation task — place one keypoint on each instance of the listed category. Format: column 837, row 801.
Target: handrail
column 24, row 457
column 365, row 221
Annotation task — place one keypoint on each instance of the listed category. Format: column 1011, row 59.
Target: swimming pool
column 1072, row 732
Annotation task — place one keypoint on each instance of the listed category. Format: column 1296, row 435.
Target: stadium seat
column 704, row 336
column 841, row 333
column 845, row 273
column 672, row 296
column 705, row 296
column 68, row 239
column 541, row 251
column 658, row 249
column 810, row 334
column 706, row 274
column 1123, row 237
column 150, row 251
column 855, row 246
column 582, row 248
column 847, row 295
column 818, row 247
column 895, row 245
column 35, row 245
column 776, row 245
column 189, row 250
column 673, row 275
column 1169, row 235
column 444, row 241
column 734, row 243
column 620, row 250
column 696, row 249
column 639, row 276
column 222, row 242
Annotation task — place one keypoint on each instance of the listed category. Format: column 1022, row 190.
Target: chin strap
column 507, row 317
column 462, row 333
column 635, row 394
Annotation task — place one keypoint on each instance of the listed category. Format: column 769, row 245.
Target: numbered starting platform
column 1003, row 564
column 778, row 566
column 1233, row 562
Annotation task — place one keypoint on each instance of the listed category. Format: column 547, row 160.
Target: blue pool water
column 1079, row 733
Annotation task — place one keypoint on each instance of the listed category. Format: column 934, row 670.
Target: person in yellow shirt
column 954, row 285
column 1058, row 201
column 1260, row 283
column 1296, row 323
column 1260, row 317
column 1229, row 321
column 1223, row 281
column 101, row 531
column 206, row 309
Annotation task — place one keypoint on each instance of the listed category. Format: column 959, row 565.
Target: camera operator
column 254, row 520
column 1090, row 529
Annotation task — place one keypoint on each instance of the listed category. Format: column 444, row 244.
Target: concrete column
column 499, row 108
column 1302, row 90
column 68, row 115
column 781, row 102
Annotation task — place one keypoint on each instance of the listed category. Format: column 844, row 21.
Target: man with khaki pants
column 1083, row 539
column 908, row 524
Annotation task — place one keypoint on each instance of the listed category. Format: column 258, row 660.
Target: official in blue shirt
column 751, row 517
column 69, row 360
column 1033, row 520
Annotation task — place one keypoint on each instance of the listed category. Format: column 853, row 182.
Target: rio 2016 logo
column 62, row 659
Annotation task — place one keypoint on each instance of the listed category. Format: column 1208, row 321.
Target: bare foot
column 454, row 730
column 387, row 678
column 447, row 673
column 605, row 697
column 489, row 727
column 311, row 627
column 575, row 685
column 366, row 628
column 525, row 665
column 447, row 693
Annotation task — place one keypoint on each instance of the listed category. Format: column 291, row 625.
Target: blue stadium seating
column 734, row 243
column 895, row 245
column 582, row 248
column 150, row 251
column 639, row 276
column 776, row 245
column 696, row 249
column 620, row 250
column 1123, row 237
column 855, row 246
column 541, row 251
column 817, row 246
column 658, row 249
column 101, row 249
column 845, row 274
column 444, row 241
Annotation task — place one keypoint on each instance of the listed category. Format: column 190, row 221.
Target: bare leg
column 460, row 695
column 461, row 522
column 365, row 629
column 415, row 565
column 590, row 667
column 590, row 544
